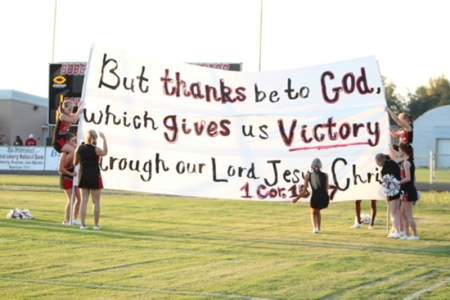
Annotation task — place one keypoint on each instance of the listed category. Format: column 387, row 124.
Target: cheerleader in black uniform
column 392, row 168
column 89, row 177
column 319, row 198
column 410, row 193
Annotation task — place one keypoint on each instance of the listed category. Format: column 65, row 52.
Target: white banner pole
column 387, row 218
column 71, row 204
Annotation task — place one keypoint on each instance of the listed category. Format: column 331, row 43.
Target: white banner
column 174, row 128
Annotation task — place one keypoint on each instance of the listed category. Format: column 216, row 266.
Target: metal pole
column 260, row 36
column 387, row 219
column 431, row 168
column 71, row 203
column 54, row 33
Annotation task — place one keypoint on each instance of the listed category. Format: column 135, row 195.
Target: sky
column 409, row 38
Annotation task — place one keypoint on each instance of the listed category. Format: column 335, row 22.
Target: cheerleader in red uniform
column 66, row 117
column 67, row 172
column 405, row 121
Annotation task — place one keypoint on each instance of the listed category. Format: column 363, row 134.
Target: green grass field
column 157, row 247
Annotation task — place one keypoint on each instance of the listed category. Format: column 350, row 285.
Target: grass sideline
column 156, row 247
column 440, row 175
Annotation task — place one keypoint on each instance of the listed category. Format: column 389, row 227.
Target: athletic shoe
column 83, row 227
column 401, row 233
column 356, row 225
column 405, row 237
column 371, row 227
column 394, row 235
column 413, row 237
column 96, row 227
column 66, row 223
column 76, row 222
column 315, row 230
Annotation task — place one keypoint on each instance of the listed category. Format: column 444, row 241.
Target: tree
column 394, row 101
column 436, row 94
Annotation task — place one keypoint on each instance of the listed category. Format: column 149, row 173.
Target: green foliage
column 436, row 94
column 394, row 101
column 156, row 247
column 426, row 97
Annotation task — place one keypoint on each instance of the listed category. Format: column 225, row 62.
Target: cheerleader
column 410, row 193
column 319, row 198
column 405, row 121
column 390, row 167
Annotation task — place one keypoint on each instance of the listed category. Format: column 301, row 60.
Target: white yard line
column 418, row 293
column 118, row 287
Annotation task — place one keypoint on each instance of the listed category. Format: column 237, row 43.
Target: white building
column 432, row 133
column 22, row 114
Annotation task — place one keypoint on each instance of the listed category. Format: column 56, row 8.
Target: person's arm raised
column 397, row 120
column 104, row 150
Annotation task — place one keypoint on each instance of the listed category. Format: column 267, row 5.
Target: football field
column 163, row 247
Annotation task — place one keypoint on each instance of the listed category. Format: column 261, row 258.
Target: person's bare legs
column 77, row 198
column 96, row 205
column 83, row 206
column 409, row 218
column 313, row 218
column 358, row 222
column 402, row 218
column 393, row 208
column 68, row 193
column 373, row 206
column 358, row 211
column 69, row 150
column 316, row 219
column 319, row 218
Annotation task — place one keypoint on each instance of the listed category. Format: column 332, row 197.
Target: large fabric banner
column 178, row 129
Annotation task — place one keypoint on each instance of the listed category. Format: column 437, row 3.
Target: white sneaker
column 96, row 227
column 401, row 233
column 405, row 237
column 371, row 227
column 76, row 222
column 394, row 235
column 66, row 223
column 413, row 237
column 315, row 230
column 83, row 227
column 356, row 225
